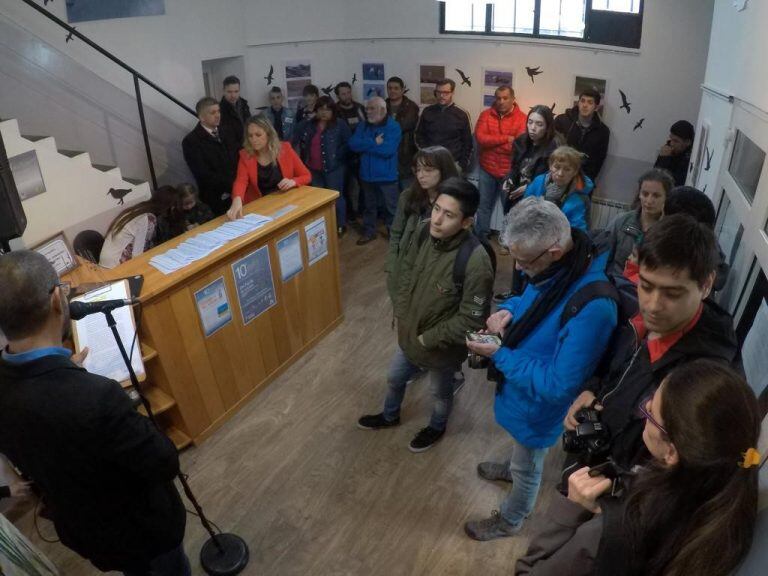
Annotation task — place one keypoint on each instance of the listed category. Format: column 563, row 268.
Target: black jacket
column 528, row 162
column 593, row 141
column 233, row 119
column 632, row 376
column 104, row 470
column 676, row 165
column 446, row 126
column 214, row 165
column 408, row 118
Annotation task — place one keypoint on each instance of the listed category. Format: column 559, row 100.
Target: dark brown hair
column 549, row 119
column 434, row 157
column 165, row 201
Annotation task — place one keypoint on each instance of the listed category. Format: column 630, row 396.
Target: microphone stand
column 222, row 554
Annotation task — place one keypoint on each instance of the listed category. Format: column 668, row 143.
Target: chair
column 88, row 244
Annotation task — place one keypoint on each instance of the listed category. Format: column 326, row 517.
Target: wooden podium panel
column 209, row 378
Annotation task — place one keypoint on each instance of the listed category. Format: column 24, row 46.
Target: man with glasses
column 551, row 342
column 445, row 124
column 677, row 323
column 104, row 471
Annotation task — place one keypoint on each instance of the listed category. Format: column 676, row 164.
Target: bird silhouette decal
column 69, row 36
column 639, row 124
column 270, row 76
column 119, row 194
column 45, row 2
column 624, row 102
column 464, row 78
column 327, row 90
column 406, row 91
column 704, row 190
column 533, row 72
column 354, row 78
column 553, row 106
column 708, row 160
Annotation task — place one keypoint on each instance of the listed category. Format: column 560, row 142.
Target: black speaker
column 13, row 221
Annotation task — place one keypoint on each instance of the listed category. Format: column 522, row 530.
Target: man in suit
column 105, row 472
column 234, row 111
column 211, row 155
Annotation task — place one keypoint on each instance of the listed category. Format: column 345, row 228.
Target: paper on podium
column 104, row 356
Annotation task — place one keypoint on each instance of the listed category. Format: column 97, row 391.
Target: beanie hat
column 683, row 129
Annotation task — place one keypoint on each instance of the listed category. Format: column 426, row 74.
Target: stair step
column 33, row 138
column 71, row 153
column 103, row 167
column 134, row 181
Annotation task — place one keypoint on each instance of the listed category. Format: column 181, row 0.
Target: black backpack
column 467, row 248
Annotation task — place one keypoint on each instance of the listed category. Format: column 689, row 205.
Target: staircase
column 76, row 193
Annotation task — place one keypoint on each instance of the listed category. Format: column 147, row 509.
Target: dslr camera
column 590, row 439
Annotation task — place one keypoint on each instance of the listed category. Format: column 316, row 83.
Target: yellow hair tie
column 751, row 458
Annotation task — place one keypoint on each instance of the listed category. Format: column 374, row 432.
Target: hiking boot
column 458, row 382
column 490, row 528
column 494, row 471
column 376, row 422
column 363, row 240
column 425, row 439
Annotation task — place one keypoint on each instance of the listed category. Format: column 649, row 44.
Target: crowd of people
column 609, row 340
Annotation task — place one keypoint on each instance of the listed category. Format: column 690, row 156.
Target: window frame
column 588, row 24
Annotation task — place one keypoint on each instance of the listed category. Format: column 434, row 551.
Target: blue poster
column 255, row 287
column 289, row 251
column 213, row 306
column 85, row 10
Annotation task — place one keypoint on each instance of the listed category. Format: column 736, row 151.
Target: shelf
column 179, row 439
column 158, row 400
column 147, row 354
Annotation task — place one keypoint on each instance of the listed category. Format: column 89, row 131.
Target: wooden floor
column 313, row 495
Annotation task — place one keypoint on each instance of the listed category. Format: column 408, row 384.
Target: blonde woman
column 265, row 165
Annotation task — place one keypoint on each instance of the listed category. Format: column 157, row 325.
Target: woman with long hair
column 135, row 229
column 322, row 146
column 265, row 166
column 431, row 166
column 690, row 510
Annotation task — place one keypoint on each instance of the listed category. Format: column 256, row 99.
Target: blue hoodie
column 575, row 203
column 549, row 368
column 378, row 162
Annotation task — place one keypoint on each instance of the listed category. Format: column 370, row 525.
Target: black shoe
column 425, row 439
column 502, row 296
column 494, row 471
column 376, row 422
column 363, row 240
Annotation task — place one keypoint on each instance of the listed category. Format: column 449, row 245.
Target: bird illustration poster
column 86, row 10
column 583, row 83
column 298, row 74
column 429, row 74
column 374, row 80
column 26, row 173
column 371, row 89
column 494, row 78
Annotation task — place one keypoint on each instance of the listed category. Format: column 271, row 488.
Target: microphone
column 79, row 310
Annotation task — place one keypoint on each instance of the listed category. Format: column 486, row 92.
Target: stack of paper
column 202, row 245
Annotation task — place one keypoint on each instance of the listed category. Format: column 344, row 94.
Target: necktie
column 215, row 134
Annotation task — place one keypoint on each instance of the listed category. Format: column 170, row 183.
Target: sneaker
column 365, row 239
column 501, row 296
column 425, row 439
column 458, row 382
column 376, row 422
column 494, row 471
column 490, row 528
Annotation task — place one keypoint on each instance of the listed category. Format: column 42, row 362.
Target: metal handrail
column 136, row 77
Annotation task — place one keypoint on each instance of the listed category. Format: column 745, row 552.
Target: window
column 632, row 6
column 610, row 22
column 746, row 165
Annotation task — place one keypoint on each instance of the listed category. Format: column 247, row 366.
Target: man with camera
column 676, row 324
column 552, row 338
column 103, row 470
column 434, row 311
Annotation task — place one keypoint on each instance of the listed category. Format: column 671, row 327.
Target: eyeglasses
column 527, row 263
column 64, row 287
column 648, row 416
column 443, row 92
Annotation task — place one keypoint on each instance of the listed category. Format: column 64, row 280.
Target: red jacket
column 246, row 184
column 492, row 133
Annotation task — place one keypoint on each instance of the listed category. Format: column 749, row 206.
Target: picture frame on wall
column 582, row 82
column 702, row 151
column 27, row 174
column 429, row 74
column 493, row 78
column 58, row 251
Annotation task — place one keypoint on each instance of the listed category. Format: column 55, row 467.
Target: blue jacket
column 549, row 368
column 378, row 162
column 289, row 121
column 333, row 143
column 575, row 203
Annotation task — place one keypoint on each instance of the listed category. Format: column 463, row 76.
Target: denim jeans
column 333, row 180
column 525, row 467
column 490, row 189
column 379, row 195
column 172, row 563
column 401, row 370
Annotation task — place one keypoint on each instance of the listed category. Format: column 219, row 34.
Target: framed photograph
column 488, row 100
column 373, row 72
column 703, row 157
column 371, row 90
column 298, row 69
column 429, row 74
column 87, row 10
column 494, row 77
column 582, row 83
column 58, row 251
column 27, row 175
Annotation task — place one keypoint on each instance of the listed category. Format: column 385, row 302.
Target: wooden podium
column 195, row 383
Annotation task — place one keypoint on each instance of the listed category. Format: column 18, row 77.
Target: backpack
column 466, row 249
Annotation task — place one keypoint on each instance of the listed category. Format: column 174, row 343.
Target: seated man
column 105, row 471
column 433, row 313
column 553, row 337
column 675, row 155
column 676, row 324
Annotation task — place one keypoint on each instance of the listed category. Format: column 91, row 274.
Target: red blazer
column 246, row 184
column 492, row 133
